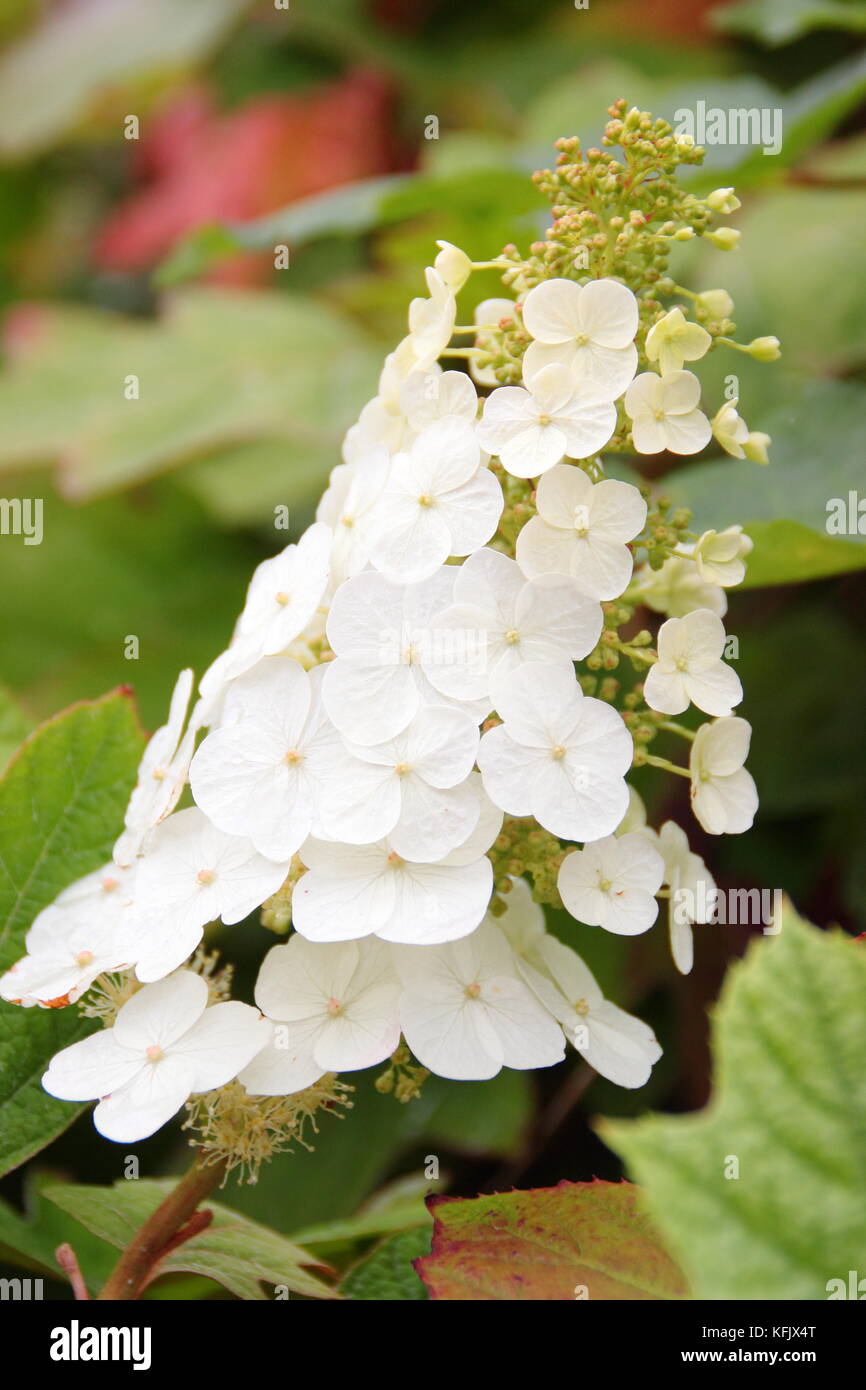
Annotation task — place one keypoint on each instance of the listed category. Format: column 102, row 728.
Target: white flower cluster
column 345, row 740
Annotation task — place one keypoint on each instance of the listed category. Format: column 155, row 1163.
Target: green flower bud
column 724, row 238
column 764, row 349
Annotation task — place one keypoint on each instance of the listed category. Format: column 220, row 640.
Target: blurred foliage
column 154, row 258
column 790, row 1052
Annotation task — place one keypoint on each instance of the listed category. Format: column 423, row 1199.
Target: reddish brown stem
column 68, row 1261
column 159, row 1233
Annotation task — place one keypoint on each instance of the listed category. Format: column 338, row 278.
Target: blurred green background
column 152, row 257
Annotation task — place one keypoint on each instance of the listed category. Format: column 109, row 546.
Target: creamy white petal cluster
column 400, row 679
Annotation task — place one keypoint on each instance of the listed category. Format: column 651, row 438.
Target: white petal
column 91, row 1068
column 221, row 1043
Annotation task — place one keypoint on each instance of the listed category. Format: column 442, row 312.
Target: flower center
column 109, row 884
column 681, row 663
column 658, row 414
column 205, row 877
column 84, row 957
column 154, row 1052
column 581, row 1007
column 473, row 991
column 394, row 859
column 334, row 1007
column 402, row 768
column 425, row 500
column 293, row 757
column 281, row 598
column 512, row 636
column 544, row 419
column 158, row 774
column 557, row 752
column 605, row 885
column 581, row 339
column 348, row 521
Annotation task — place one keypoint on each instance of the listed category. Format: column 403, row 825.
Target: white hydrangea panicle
column 499, row 620
column 583, row 529
column 465, row 555
column 334, row 1007
column 589, row 329
column 165, row 1046
column 690, row 669
column 612, row 883
column 531, row 430
column 162, row 774
column 559, row 755
column 723, row 793
column 80, row 936
column 193, row 874
column 466, row 1013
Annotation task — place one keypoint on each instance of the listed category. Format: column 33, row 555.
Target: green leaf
column 483, row 198
column 576, row 1240
column 62, row 800
column 78, row 54
column 142, row 565
column 15, row 725
column 386, row 1274
column 818, row 443
column 480, row 1117
column 345, row 211
column 400, row 1206
column 31, row 1240
column 809, row 115
column 777, row 22
column 762, row 1193
column 234, row 1251
column 808, row 735
column 220, row 369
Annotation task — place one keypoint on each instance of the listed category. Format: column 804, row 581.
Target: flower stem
column 666, row 765
column 678, row 729
column 150, row 1243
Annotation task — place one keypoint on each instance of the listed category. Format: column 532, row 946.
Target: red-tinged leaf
column 198, row 166
column 573, row 1241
